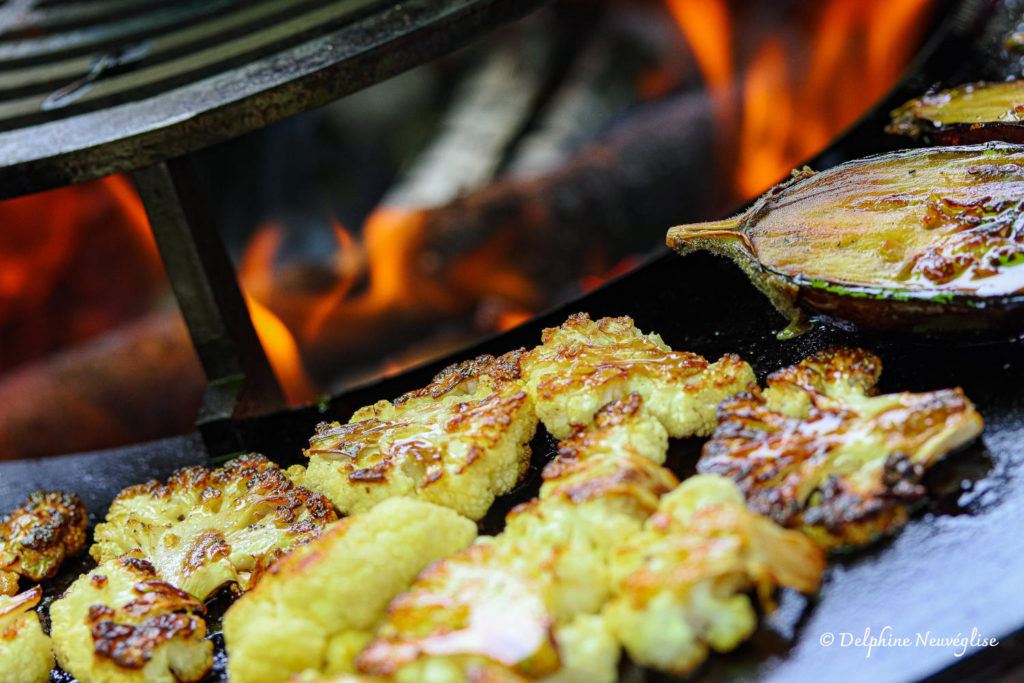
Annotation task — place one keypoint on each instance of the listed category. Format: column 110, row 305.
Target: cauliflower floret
column 583, row 365
column 318, row 605
column 680, row 582
column 589, row 652
column 205, row 529
column 596, row 494
column 315, row 677
column 121, row 623
column 25, row 655
column 459, row 442
column 486, row 604
column 515, row 605
column 816, row 451
column 36, row 537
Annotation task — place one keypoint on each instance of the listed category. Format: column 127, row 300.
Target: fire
column 256, row 276
column 283, row 354
column 796, row 95
column 57, row 286
column 383, row 285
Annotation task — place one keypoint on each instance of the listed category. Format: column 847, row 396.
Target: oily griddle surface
column 958, row 565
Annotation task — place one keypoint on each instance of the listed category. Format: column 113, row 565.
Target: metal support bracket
column 241, row 383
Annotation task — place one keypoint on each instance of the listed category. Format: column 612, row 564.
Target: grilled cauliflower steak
column 524, row 604
column 318, row 605
column 203, row 529
column 680, row 582
column 25, row 655
column 121, row 622
column 816, row 451
column 582, row 365
column 459, row 442
column 36, row 537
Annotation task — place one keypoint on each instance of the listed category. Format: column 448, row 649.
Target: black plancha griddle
column 955, row 571
column 958, row 565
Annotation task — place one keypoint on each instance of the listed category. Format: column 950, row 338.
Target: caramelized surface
column 940, row 222
column 317, row 607
column 814, row 450
column 946, row 217
column 36, row 537
column 458, row 442
column 514, row 604
column 204, row 529
column 680, row 583
column 953, row 113
column 122, row 622
column 583, row 365
column 25, row 655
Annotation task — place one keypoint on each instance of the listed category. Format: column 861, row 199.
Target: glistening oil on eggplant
column 967, row 114
column 927, row 242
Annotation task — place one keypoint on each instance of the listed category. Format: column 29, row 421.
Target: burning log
column 139, row 382
column 650, row 172
column 522, row 240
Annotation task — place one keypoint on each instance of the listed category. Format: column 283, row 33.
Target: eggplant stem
column 728, row 228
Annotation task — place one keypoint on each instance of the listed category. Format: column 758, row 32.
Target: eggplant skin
column 817, row 451
column 967, row 114
column 924, row 241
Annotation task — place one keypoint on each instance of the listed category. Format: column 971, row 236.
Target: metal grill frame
column 329, row 49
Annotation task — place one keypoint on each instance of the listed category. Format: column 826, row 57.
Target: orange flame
column 255, row 274
column 282, row 352
column 798, row 95
column 771, row 112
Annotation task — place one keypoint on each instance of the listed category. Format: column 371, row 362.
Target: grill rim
column 381, row 41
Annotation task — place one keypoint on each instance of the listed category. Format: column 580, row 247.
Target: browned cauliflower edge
column 681, row 584
column 817, row 451
column 205, row 529
column 37, row 537
column 583, row 365
column 526, row 603
column 459, row 442
column 121, row 623
column 318, row 606
column 25, row 654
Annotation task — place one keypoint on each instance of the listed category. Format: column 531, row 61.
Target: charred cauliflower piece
column 484, row 614
column 582, row 365
column 597, row 492
column 817, row 452
column 121, row 623
column 483, row 605
column 525, row 603
column 318, row 606
column 459, row 442
column 25, row 655
column 35, row 538
column 681, row 582
column 203, row 529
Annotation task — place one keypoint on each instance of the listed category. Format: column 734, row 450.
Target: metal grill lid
column 93, row 87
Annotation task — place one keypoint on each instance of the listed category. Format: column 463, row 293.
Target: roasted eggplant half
column 966, row 114
column 926, row 241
